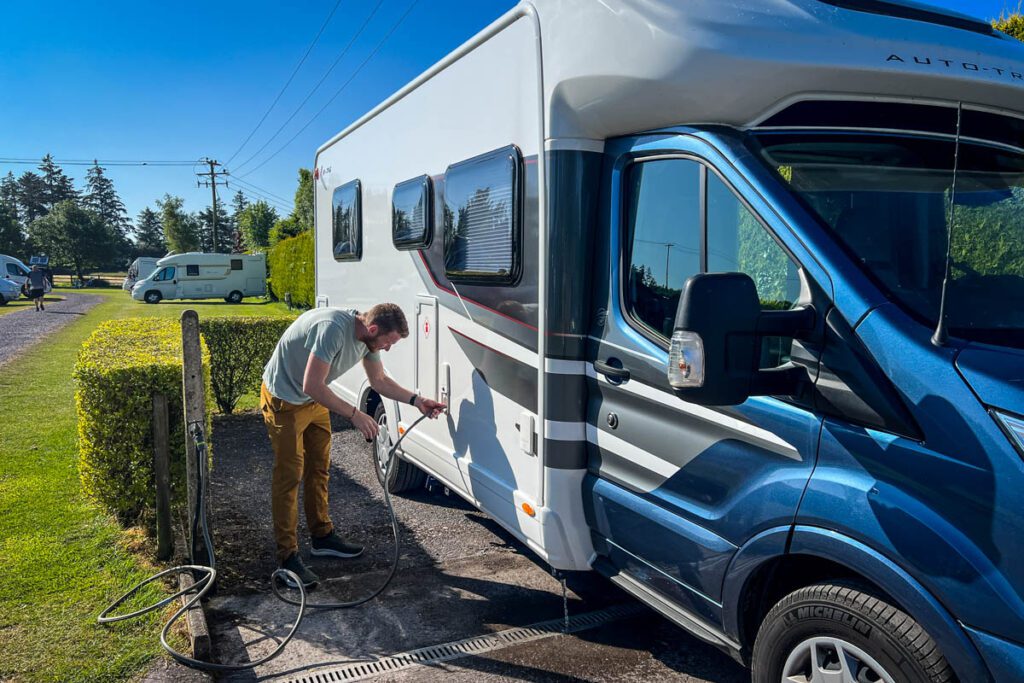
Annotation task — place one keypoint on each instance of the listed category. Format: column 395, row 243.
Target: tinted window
column 664, row 223
column 236, row 264
column 680, row 215
column 192, row 271
column 165, row 274
column 411, row 214
column 481, row 218
column 12, row 269
column 347, row 221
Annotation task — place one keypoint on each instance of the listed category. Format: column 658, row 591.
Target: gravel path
column 22, row 329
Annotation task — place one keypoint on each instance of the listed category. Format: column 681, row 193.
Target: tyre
column 3, row 301
column 234, row 297
column 844, row 632
column 153, row 297
column 401, row 475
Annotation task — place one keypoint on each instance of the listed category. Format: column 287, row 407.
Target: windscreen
column 889, row 199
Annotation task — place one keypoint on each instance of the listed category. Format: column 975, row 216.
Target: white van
column 204, row 276
column 140, row 269
column 680, row 272
column 13, row 269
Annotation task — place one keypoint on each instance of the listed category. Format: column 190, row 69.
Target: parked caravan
column 13, row 269
column 204, row 276
column 726, row 298
column 140, row 269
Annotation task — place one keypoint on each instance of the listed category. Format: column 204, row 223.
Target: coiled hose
column 205, row 575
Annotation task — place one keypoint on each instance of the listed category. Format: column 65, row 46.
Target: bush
column 239, row 348
column 121, row 365
column 291, row 269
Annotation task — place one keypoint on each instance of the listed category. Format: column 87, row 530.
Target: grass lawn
column 23, row 303
column 61, row 559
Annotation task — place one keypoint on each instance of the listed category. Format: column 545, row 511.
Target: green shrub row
column 121, row 365
column 291, row 270
column 239, row 348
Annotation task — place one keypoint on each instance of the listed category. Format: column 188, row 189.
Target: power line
column 212, row 183
column 289, row 82
column 254, row 197
column 256, row 187
column 315, row 87
column 342, row 88
column 95, row 162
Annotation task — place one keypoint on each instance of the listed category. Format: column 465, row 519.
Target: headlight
column 1014, row 428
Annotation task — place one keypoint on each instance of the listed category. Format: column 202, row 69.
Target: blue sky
column 178, row 81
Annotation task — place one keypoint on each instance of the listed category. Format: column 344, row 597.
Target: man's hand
column 429, row 407
column 366, row 424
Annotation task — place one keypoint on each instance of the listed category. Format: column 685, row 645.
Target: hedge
column 121, row 365
column 291, row 269
column 239, row 348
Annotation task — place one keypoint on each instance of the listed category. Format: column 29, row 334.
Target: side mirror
column 713, row 359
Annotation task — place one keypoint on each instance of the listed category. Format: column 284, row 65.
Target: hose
column 205, row 575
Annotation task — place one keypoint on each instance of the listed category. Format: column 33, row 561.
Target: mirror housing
column 715, row 349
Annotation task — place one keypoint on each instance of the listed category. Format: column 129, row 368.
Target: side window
column 165, row 274
column 411, row 214
column 347, row 222
column 482, row 213
column 682, row 219
column 192, row 270
column 12, row 269
column 664, row 243
column 236, row 264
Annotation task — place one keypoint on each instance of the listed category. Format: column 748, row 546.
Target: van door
column 676, row 488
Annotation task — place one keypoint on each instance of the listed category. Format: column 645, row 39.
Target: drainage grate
column 358, row 671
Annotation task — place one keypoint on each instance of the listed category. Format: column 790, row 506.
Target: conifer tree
column 57, row 187
column 12, row 239
column 9, row 195
column 31, row 197
column 102, row 199
column 224, row 229
column 181, row 229
column 149, row 234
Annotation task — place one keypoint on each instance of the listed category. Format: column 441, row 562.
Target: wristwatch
column 412, row 401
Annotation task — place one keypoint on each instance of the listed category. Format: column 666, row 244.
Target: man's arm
column 314, row 385
column 389, row 388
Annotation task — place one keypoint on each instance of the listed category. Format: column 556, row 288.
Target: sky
column 176, row 82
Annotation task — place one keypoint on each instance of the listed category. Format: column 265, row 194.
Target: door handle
column 614, row 374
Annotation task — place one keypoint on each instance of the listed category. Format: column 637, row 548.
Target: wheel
column 3, row 301
column 153, row 297
column 401, row 475
column 843, row 632
column 234, row 297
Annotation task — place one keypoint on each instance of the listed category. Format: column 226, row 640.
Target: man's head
column 386, row 325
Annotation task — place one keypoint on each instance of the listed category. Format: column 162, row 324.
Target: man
column 296, row 401
column 37, row 287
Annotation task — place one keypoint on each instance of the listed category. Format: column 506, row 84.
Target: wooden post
column 195, row 409
column 162, row 476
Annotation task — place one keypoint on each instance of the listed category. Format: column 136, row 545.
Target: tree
column 73, row 236
column 1012, row 24
column 31, row 197
column 255, row 223
column 285, row 228
column 12, row 240
column 181, row 229
column 9, row 194
column 57, row 187
column 238, row 204
column 304, row 210
column 102, row 199
column 149, row 234
column 224, row 230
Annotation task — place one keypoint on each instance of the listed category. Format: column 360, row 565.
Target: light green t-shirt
column 327, row 333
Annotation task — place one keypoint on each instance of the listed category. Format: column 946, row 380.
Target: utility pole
column 668, row 252
column 212, row 184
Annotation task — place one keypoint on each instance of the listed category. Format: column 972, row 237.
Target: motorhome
column 726, row 299
column 140, row 269
column 196, row 275
column 13, row 269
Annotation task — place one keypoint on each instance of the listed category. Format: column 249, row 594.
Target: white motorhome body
column 13, row 269
column 140, row 269
column 197, row 275
column 480, row 198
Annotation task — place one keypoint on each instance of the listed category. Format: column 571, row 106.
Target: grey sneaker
column 332, row 546
column 305, row 574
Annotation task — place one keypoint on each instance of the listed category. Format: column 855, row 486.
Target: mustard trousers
column 301, row 438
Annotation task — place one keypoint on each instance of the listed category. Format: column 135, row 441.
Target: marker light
column 1014, row 428
column 528, row 509
column 686, row 360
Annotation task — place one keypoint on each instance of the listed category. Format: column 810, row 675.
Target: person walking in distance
column 296, row 401
column 37, row 287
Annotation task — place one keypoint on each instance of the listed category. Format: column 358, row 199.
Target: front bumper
column 1004, row 658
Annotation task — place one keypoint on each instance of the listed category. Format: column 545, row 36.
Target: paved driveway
column 461, row 578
